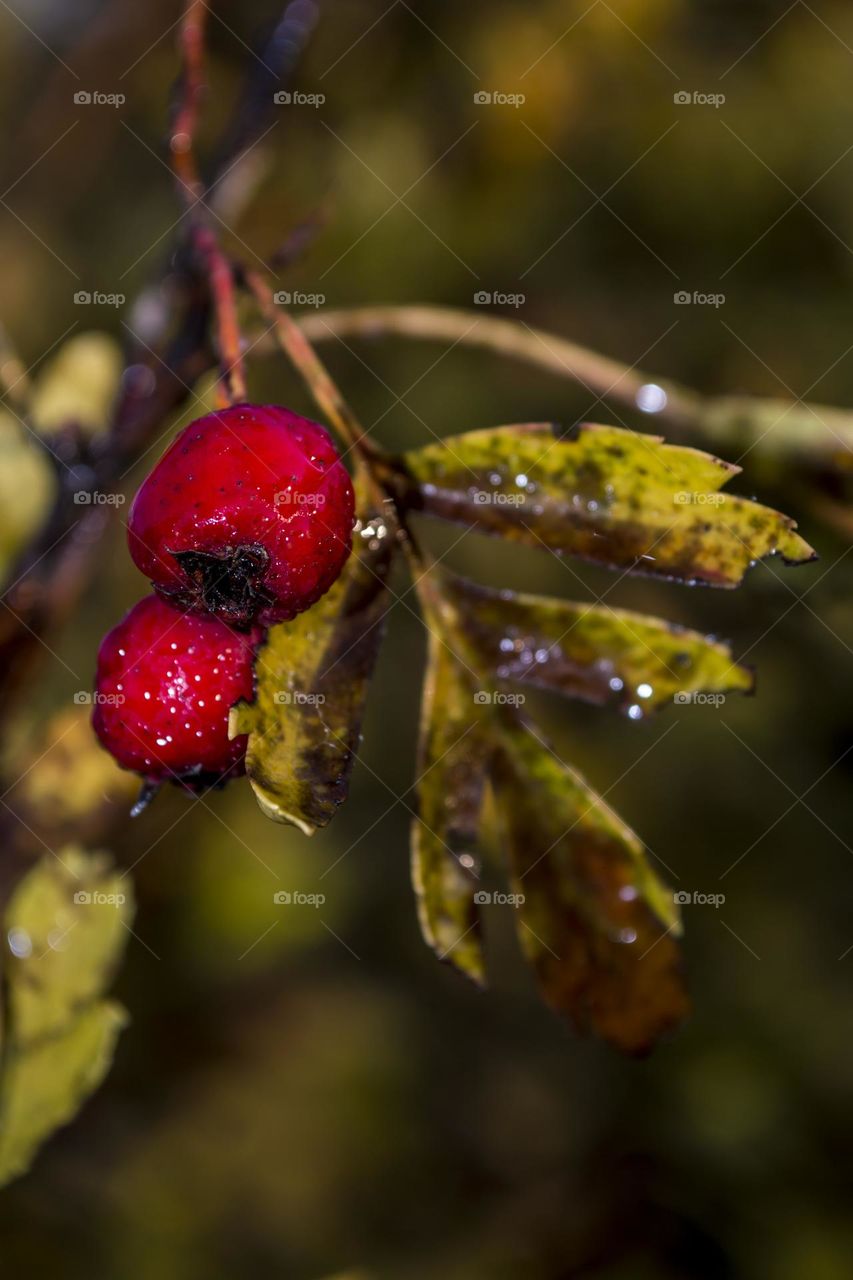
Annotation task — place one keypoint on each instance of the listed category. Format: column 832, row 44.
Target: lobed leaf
column 312, row 678
column 453, row 760
column 621, row 498
column 593, row 652
column 595, row 922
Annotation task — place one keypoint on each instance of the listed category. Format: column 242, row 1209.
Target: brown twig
column 191, row 87
column 803, row 432
column 228, row 338
column 597, row 373
column 298, row 349
column 182, row 145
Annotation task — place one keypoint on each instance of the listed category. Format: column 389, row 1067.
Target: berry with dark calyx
column 247, row 516
column 166, row 681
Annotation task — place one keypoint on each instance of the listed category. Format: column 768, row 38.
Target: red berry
column 165, row 683
column 247, row 516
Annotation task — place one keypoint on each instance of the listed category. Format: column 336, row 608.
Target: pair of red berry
column 244, row 522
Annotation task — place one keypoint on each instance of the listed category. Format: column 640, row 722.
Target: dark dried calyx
column 228, row 584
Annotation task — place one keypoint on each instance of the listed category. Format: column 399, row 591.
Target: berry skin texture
column 247, row 516
column 165, row 683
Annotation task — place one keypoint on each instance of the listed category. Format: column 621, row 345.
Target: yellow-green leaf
column 617, row 497
column 44, row 1085
column 28, row 489
column 66, row 929
column 312, row 678
column 453, row 761
column 593, row 652
column 78, row 384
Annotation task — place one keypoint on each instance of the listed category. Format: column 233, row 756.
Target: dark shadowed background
column 305, row 1092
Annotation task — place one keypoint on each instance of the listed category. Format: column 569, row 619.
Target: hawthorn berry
column 165, row 683
column 247, row 516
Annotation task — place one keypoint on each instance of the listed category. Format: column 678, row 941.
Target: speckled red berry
column 248, row 516
column 166, row 681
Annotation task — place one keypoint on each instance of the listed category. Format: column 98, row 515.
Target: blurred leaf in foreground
column 64, row 932
column 44, row 1086
column 27, row 491
column 78, row 384
column 68, row 782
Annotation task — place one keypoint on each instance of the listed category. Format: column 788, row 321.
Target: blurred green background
column 305, row 1092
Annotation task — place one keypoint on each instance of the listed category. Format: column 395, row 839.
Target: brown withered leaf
column 598, row 927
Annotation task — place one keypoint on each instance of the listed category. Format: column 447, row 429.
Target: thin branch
column 332, row 403
column 298, row 349
column 270, row 68
column 810, row 433
column 221, row 280
column 191, row 87
column 597, row 373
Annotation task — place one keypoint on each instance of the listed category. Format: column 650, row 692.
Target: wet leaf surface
column 601, row 655
column 453, row 761
column 596, row 924
column 312, row 678
column 617, row 497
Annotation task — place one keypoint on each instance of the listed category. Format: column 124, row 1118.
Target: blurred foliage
column 27, row 489
column 302, row 1090
column 78, row 384
column 65, row 930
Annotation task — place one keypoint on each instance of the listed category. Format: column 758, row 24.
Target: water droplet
column 20, row 943
column 651, row 398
